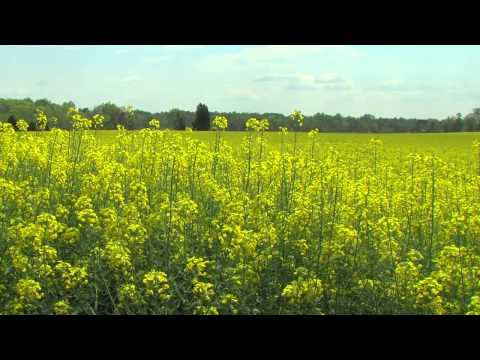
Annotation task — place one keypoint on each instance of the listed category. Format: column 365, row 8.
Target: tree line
column 12, row 110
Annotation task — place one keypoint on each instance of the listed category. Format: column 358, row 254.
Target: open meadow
column 179, row 222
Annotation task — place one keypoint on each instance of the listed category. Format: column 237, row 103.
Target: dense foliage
column 158, row 222
column 178, row 119
column 202, row 118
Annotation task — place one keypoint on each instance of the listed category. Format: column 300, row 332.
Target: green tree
column 12, row 120
column 202, row 118
column 180, row 122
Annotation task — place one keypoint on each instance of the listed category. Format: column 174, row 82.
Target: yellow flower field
column 160, row 222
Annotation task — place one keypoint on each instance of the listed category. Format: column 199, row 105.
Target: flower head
column 298, row 117
column 220, row 122
column 154, row 124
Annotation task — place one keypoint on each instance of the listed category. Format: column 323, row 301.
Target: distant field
column 452, row 146
column 440, row 143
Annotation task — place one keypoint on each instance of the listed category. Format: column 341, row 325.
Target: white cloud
column 327, row 81
column 274, row 53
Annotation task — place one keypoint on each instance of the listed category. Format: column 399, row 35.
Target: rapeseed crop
column 159, row 222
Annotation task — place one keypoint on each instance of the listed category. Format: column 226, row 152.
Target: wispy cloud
column 266, row 54
column 327, row 81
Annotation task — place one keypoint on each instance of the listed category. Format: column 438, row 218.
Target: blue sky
column 408, row 81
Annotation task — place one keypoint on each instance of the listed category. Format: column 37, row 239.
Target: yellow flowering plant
column 167, row 222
